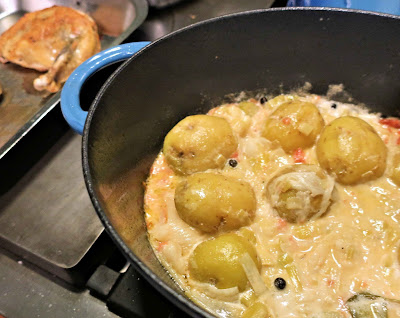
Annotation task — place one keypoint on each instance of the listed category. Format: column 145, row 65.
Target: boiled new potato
column 351, row 150
column 218, row 261
column 395, row 173
column 198, row 143
column 300, row 191
column 294, row 124
column 213, row 202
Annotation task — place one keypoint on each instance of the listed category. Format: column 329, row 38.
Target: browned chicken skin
column 56, row 40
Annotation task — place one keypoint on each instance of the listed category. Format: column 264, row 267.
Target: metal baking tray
column 46, row 217
column 21, row 106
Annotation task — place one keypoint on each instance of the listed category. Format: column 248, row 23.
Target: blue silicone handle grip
column 70, row 104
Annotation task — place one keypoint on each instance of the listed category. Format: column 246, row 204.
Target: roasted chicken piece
column 56, row 40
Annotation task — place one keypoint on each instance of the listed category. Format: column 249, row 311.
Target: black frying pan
column 194, row 69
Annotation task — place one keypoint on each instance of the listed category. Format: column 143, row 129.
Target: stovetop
column 101, row 284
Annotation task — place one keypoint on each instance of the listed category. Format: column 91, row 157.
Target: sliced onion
column 226, row 294
column 306, row 128
column 326, row 197
column 253, row 275
column 173, row 254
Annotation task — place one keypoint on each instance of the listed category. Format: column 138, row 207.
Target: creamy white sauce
column 353, row 248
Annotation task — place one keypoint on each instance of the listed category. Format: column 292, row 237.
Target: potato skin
column 198, row 143
column 218, row 261
column 213, row 202
column 294, row 124
column 395, row 171
column 351, row 150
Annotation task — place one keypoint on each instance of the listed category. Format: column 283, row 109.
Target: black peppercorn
column 280, row 283
column 263, row 100
column 334, row 106
column 233, row 163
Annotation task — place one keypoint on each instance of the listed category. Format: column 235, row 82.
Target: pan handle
column 70, row 104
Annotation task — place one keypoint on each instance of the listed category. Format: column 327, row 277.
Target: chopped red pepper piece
column 161, row 245
column 299, row 156
column 286, row 120
column 281, row 224
column 235, row 155
column 391, row 122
